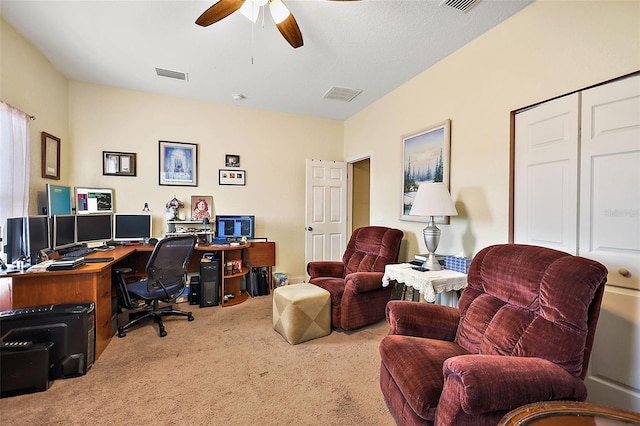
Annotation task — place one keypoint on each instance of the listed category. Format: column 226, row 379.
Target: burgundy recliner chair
column 355, row 284
column 522, row 333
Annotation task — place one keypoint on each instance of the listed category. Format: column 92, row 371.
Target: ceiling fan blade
column 290, row 31
column 218, row 11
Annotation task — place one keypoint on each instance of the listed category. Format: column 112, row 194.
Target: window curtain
column 14, row 163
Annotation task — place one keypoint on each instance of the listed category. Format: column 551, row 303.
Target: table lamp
column 432, row 199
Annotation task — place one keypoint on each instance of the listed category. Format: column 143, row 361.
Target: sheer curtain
column 14, row 163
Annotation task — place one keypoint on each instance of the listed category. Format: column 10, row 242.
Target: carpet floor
column 227, row 367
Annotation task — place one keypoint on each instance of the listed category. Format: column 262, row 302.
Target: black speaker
column 209, row 283
column 194, row 290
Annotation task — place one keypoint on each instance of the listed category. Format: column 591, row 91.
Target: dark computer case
column 210, row 282
column 71, row 327
column 194, row 290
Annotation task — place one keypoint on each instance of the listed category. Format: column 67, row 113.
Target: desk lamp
column 432, row 199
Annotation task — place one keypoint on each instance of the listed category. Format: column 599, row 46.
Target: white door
column 546, row 181
column 325, row 210
column 610, row 233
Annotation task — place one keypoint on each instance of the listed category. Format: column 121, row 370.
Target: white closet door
column 610, row 233
column 546, row 178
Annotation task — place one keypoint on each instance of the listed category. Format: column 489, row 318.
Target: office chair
column 166, row 270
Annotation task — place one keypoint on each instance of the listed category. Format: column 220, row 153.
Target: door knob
column 308, row 228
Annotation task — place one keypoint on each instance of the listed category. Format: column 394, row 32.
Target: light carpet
column 227, row 367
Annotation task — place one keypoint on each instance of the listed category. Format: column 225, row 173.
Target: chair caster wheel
column 121, row 333
column 163, row 333
column 190, row 317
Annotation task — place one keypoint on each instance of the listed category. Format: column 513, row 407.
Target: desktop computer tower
column 194, row 290
column 209, row 282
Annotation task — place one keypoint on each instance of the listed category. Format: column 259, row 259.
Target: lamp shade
column 433, row 199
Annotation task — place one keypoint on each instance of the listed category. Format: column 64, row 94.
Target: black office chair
column 166, row 271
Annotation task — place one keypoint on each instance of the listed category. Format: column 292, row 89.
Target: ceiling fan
column 283, row 18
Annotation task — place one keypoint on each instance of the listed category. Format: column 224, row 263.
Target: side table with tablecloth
column 434, row 286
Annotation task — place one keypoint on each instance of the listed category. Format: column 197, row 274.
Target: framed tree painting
column 426, row 155
column 178, row 163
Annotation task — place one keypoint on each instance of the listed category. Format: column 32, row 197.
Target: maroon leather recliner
column 355, row 284
column 522, row 333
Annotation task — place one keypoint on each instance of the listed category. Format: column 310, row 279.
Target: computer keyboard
column 79, row 252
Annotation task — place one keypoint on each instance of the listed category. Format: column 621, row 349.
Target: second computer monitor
column 235, row 227
column 93, row 229
column 64, row 231
column 38, row 236
column 131, row 227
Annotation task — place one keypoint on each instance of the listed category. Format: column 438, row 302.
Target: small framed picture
column 232, row 160
column 201, row 206
column 118, row 163
column 50, row 156
column 231, row 177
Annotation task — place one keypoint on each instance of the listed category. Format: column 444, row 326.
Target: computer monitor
column 16, row 246
column 235, row 227
column 64, row 231
column 58, row 199
column 93, row 200
column 93, row 229
column 38, row 236
column 131, row 227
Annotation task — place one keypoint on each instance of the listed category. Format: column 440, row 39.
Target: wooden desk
column 92, row 282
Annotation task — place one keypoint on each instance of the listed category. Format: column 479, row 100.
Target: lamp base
column 432, row 263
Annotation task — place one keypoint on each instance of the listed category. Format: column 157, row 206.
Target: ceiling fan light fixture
column 250, row 10
column 279, row 11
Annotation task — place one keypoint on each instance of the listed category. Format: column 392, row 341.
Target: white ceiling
column 372, row 45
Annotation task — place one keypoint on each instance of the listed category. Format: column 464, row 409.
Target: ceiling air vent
column 342, row 93
column 461, row 5
column 171, row 74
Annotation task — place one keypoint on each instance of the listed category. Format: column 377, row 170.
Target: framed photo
column 231, row 160
column 426, row 156
column 50, row 156
column 118, row 163
column 231, row 177
column 201, row 207
column 178, row 163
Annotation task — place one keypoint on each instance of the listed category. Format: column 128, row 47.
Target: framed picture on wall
column 426, row 157
column 50, row 156
column 118, row 163
column 231, row 177
column 232, row 160
column 201, row 207
column 178, row 162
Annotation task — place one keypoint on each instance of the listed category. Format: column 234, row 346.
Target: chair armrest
column 325, row 268
column 361, row 282
column 422, row 319
column 513, row 381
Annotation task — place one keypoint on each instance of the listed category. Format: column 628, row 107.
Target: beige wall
column 272, row 149
column 30, row 83
column 548, row 49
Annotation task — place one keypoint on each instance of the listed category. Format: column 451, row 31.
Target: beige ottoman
column 301, row 312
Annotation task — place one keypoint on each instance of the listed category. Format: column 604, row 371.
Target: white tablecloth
column 428, row 283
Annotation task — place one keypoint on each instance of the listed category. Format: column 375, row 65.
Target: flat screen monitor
column 64, row 231
column 16, row 246
column 38, row 236
column 93, row 229
column 235, row 227
column 131, row 226
column 58, row 199
column 94, row 200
